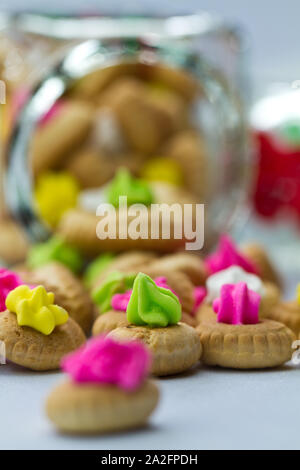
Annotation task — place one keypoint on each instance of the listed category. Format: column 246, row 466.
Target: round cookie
column 13, row 243
column 259, row 257
column 269, row 302
column 287, row 313
column 262, row 345
column 78, row 228
column 113, row 319
column 126, row 262
column 109, row 321
column 88, row 408
column 174, row 348
column 68, row 290
column 189, row 264
column 205, row 313
column 34, row 350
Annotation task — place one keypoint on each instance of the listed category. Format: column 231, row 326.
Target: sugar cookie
column 174, row 78
column 174, row 349
column 69, row 292
column 153, row 313
column 31, row 349
column 266, row 344
column 90, row 167
column 79, row 228
column 270, row 295
column 187, row 148
column 13, row 242
column 236, row 338
column 109, row 321
column 132, row 261
column 113, row 396
column 55, row 140
column 257, row 254
column 187, row 263
column 287, row 313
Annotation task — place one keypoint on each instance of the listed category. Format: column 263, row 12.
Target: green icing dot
column 97, row 267
column 124, row 184
column 115, row 283
column 152, row 305
column 55, row 249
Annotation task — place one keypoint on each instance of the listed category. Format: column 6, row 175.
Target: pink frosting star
column 199, row 296
column 103, row 360
column 237, row 305
column 8, row 282
column 120, row 301
column 228, row 255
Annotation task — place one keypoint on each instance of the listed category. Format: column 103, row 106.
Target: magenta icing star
column 237, row 305
column 199, row 295
column 103, row 360
column 120, row 301
column 226, row 255
column 8, row 282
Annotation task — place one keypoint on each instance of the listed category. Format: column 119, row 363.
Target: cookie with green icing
column 55, row 249
column 152, row 305
column 115, row 283
column 136, row 190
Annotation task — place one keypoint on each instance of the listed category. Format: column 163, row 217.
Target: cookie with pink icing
column 108, row 389
column 237, row 305
column 269, row 293
column 233, row 336
column 226, row 255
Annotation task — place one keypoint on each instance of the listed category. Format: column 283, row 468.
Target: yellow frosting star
column 36, row 308
column 55, row 193
column 163, row 169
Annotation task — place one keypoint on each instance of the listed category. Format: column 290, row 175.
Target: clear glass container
column 197, row 57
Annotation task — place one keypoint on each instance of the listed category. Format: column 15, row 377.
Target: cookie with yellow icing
column 36, row 332
column 69, row 292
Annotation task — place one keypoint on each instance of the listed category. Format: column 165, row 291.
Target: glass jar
column 196, row 61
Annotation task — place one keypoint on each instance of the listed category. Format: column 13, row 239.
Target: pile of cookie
column 132, row 116
column 128, row 126
column 147, row 315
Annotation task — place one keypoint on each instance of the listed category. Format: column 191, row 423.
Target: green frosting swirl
column 96, row 267
column 55, row 249
column 124, row 184
column 115, row 283
column 152, row 305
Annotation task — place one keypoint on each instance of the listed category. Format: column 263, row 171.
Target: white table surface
column 204, row 409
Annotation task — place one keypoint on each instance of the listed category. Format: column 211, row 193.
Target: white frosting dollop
column 232, row 275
